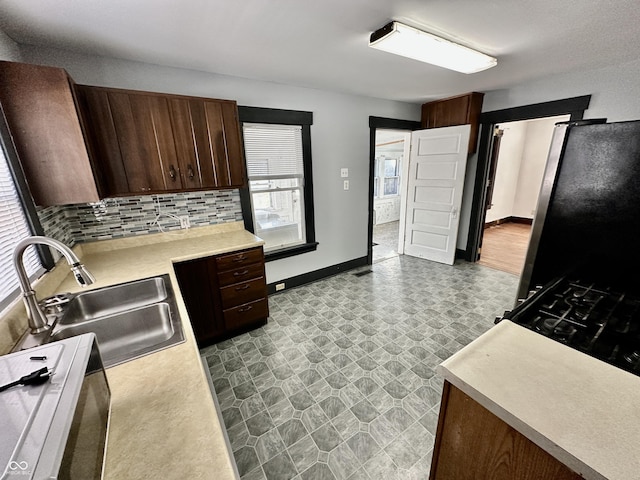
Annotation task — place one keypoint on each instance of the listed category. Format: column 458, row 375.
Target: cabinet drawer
column 241, row 274
column 243, row 292
column 239, row 259
column 246, row 314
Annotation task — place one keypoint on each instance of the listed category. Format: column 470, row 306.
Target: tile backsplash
column 129, row 216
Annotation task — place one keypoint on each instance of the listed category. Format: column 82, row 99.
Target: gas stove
column 596, row 319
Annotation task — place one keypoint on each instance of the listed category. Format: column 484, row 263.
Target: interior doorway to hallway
column 391, row 153
column 386, row 135
column 518, row 160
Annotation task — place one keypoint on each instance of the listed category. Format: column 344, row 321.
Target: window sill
column 290, row 251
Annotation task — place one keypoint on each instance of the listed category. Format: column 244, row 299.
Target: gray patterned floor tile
column 291, row 431
column 304, row 453
column 343, row 462
column 269, row 445
column 280, row 467
column 336, row 380
column 364, row 411
column 332, row 406
column 301, row 400
column 259, row 424
column 331, row 344
column 346, row 424
column 246, row 460
column 402, row 453
column 326, row 437
column 363, row 446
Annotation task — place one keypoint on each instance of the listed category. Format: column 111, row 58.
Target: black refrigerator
column 588, row 214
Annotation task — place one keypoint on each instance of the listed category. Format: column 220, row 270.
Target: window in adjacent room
column 387, row 178
column 278, row 204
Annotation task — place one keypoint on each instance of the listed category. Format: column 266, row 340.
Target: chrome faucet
column 37, row 319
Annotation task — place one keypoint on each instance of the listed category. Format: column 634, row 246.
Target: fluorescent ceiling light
column 410, row 42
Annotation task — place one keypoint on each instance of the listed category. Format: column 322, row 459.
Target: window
column 14, row 227
column 387, row 177
column 278, row 204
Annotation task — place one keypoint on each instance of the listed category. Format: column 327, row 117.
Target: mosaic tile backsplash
column 130, row 216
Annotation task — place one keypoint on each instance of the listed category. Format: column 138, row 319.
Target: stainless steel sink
column 107, row 301
column 130, row 319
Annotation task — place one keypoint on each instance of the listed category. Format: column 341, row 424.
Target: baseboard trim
column 316, row 275
column 526, row 221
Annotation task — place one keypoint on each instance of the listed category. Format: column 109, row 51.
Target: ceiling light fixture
column 395, row 37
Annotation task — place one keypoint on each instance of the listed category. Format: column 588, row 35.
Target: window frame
column 380, row 177
column 26, row 202
column 283, row 117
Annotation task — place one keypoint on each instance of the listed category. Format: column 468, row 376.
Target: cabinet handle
column 245, row 309
column 240, row 258
column 243, row 287
column 239, row 274
column 172, row 173
column 190, row 172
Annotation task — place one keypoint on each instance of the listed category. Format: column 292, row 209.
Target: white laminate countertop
column 583, row 411
column 163, row 423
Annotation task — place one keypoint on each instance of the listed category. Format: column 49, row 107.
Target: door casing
column 574, row 107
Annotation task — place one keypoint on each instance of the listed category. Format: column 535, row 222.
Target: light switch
column 344, row 173
column 346, row 184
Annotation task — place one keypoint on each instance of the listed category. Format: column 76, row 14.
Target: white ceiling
column 324, row 43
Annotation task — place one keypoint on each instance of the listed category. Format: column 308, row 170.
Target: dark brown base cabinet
column 473, row 444
column 225, row 294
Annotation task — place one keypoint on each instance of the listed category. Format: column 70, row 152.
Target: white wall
column 521, row 162
column 534, row 160
column 615, row 92
column 508, row 170
column 615, row 95
column 339, row 138
column 386, row 209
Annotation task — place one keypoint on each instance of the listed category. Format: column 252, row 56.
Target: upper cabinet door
column 164, row 142
column 39, row 106
column 217, row 135
column 133, row 118
column 102, row 140
column 189, row 156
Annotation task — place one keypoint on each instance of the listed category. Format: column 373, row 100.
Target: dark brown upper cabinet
column 459, row 110
column 40, row 111
column 151, row 143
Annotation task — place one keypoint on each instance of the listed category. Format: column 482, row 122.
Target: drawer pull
column 239, row 274
column 243, row 287
column 245, row 309
column 240, row 258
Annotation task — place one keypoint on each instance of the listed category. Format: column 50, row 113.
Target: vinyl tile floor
column 341, row 383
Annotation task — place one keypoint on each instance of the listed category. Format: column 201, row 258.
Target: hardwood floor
column 504, row 247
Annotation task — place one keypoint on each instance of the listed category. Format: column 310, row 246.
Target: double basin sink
column 129, row 319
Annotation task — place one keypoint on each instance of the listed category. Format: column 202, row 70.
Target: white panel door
column 437, row 164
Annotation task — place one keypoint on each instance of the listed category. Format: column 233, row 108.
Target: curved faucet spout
column 37, row 319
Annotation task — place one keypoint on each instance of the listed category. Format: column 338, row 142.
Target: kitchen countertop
column 163, row 419
column 584, row 412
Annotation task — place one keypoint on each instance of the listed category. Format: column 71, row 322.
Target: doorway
column 391, row 153
column 391, row 131
column 575, row 107
column 518, row 160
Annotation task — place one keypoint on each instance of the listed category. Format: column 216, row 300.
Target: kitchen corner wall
column 131, row 216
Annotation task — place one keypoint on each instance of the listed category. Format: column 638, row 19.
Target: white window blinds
column 13, row 228
column 273, row 151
